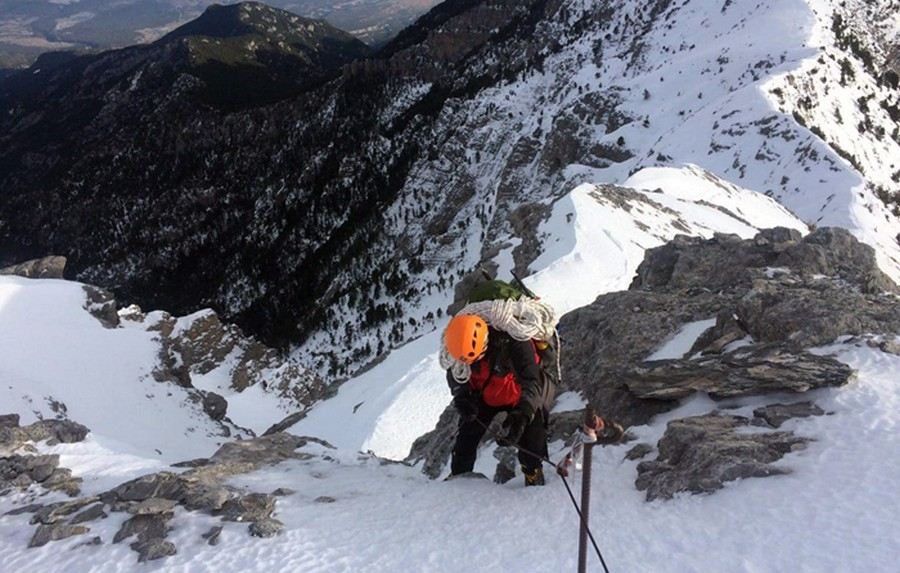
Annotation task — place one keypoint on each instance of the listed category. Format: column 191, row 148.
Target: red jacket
column 508, row 375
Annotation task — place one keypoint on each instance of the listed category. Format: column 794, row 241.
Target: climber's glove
column 515, row 424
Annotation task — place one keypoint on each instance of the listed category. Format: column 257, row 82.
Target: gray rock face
column 810, row 312
column 20, row 471
column 92, row 513
column 145, row 527
column 56, row 512
column 153, row 549
column 212, row 536
column 268, row 527
column 201, row 343
column 746, row 371
column 701, row 454
column 102, row 306
column 434, row 447
column 247, row 508
column 774, row 415
column 770, row 292
column 44, row 534
column 44, row 268
column 152, row 500
column 165, row 485
column 214, row 405
column 13, row 437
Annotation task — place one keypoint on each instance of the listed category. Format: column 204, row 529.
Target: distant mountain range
column 29, row 28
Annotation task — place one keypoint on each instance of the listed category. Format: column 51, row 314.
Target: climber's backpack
column 547, row 350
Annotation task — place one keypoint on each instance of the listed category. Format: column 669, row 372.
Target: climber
column 492, row 372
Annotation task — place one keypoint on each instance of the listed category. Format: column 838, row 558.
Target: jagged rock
column 639, row 451
column 94, row 541
column 766, row 289
column 700, row 454
column 153, row 505
column 47, row 533
column 44, row 268
column 729, row 328
column 250, row 507
column 245, row 455
column 813, row 312
column 196, row 463
column 101, row 304
column 153, row 549
column 268, row 527
column 9, row 421
column 90, row 514
column 30, row 508
column 40, row 468
column 283, row 492
column 207, row 498
column 890, row 346
column 600, row 339
column 58, row 511
column 145, row 527
column 54, row 431
column 214, row 405
column 165, row 485
column 62, row 431
column 834, row 251
column 506, row 464
column 201, row 343
column 21, row 471
column 284, row 424
column 748, row 371
column 726, row 261
column 434, row 447
column 62, row 480
column 212, row 536
column 775, row 415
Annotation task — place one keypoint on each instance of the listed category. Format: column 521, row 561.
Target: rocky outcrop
column 101, row 304
column 13, row 436
column 767, row 300
column 201, row 343
column 21, row 470
column 44, row 268
column 152, row 500
column 702, row 453
column 747, row 371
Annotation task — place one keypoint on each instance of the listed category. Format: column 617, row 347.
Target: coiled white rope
column 522, row 319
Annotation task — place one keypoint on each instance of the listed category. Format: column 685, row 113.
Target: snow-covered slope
column 594, row 241
column 59, row 361
column 835, row 512
column 786, row 98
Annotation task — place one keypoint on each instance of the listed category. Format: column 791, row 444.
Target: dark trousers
column 469, row 434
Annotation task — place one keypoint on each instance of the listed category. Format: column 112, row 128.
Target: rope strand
column 522, row 319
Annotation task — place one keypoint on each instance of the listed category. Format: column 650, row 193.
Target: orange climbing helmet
column 466, row 337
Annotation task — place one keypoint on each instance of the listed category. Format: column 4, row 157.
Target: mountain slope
column 329, row 498
column 341, row 221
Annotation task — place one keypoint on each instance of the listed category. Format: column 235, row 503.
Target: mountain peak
column 254, row 18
